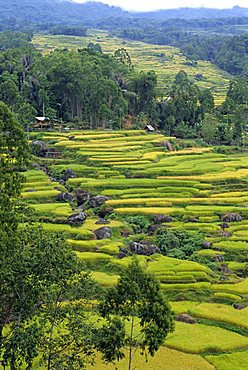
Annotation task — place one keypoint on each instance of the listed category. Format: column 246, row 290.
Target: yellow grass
column 199, row 338
column 165, row 359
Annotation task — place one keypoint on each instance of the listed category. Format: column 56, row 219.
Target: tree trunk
column 130, row 359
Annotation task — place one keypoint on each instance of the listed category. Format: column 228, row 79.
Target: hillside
column 166, row 61
column 135, row 190
column 19, row 13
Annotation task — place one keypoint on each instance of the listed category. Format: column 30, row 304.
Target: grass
column 230, row 361
column 144, row 57
column 165, row 358
column 199, row 338
column 237, row 288
column 221, row 312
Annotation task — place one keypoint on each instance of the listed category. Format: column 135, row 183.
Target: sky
column 146, row 5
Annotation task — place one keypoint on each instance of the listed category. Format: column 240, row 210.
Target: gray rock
column 206, row 245
column 142, row 249
column 240, row 306
column 66, row 197
column 39, row 148
column 103, row 233
column 102, row 221
column 158, row 219
column 220, row 258
column 77, row 218
column 98, row 200
column 82, row 196
column 167, row 145
column 224, row 225
column 152, row 229
column 232, row 217
column 123, row 253
column 184, row 317
column 69, row 174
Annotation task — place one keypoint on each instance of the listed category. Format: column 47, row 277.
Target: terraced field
column 166, row 61
column 195, row 187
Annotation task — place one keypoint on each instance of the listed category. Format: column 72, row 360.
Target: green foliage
column 139, row 224
column 178, row 243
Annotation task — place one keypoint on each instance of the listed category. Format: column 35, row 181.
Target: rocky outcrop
column 143, row 249
column 232, row 217
column 82, row 196
column 98, row 200
column 77, row 218
column 102, row 221
column 69, row 174
column 39, row 148
column 158, row 219
column 66, row 197
column 103, row 233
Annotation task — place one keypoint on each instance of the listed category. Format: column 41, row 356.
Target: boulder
column 152, row 229
column 224, row 225
column 103, row 233
column 206, row 245
column 66, row 197
column 240, row 306
column 82, row 196
column 39, row 148
column 104, row 211
column 102, row 221
column 69, row 174
column 77, row 218
column 123, row 253
column 98, row 200
column 232, row 217
column 167, row 145
column 220, row 258
column 158, row 219
column 225, row 234
column 184, row 317
column 143, row 249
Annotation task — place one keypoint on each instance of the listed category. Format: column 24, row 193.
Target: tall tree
column 137, row 302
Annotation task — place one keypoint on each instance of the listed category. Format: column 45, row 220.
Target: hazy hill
column 16, row 13
column 54, row 11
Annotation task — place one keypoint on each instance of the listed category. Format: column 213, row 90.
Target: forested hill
column 190, row 13
column 16, row 13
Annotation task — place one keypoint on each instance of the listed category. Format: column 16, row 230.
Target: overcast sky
column 145, row 5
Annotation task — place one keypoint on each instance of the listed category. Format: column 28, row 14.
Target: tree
column 138, row 302
column 209, row 128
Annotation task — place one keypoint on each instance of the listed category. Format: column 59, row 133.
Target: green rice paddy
column 196, row 187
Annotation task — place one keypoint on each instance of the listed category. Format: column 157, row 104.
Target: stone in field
column 39, row 148
column 69, row 174
column 76, row 218
column 82, row 196
column 98, row 200
column 186, row 318
column 142, row 249
column 66, row 197
column 102, row 221
column 232, row 217
column 158, row 219
column 103, row 233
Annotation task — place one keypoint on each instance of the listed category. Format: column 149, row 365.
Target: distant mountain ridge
column 16, row 13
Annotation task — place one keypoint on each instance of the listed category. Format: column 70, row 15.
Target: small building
column 149, row 128
column 42, row 123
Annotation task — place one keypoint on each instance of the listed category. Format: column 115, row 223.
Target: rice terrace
column 123, row 187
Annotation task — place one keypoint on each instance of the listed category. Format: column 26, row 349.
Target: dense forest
column 93, row 89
